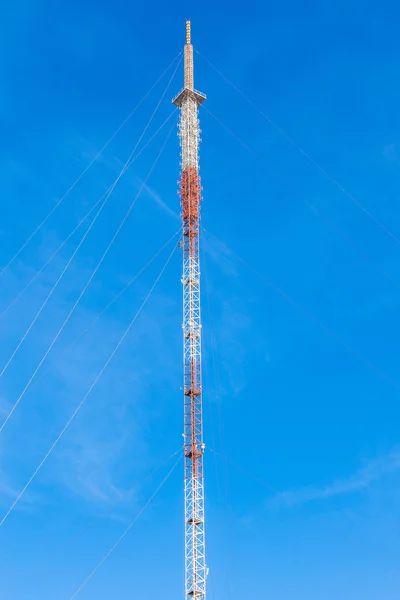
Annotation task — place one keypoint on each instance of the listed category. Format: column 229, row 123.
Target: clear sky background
column 305, row 414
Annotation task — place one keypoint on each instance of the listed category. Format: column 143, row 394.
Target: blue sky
column 283, row 398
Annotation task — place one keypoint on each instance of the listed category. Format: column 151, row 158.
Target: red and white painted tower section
column 190, row 194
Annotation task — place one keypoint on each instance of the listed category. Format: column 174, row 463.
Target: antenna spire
column 188, row 73
column 188, row 32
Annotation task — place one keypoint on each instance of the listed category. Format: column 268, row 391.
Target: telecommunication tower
column 188, row 100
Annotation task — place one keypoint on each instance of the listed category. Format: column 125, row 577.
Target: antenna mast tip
column 188, row 32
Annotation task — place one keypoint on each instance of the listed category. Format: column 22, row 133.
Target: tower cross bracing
column 190, row 190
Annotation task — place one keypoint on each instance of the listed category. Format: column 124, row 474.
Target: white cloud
column 390, row 153
column 98, row 459
column 159, row 201
column 361, row 481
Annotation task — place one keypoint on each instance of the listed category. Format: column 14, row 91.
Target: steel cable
column 101, row 313
column 125, row 532
column 83, row 291
column 109, row 510
column 317, row 322
column 303, row 152
column 311, row 513
column 64, row 242
column 92, row 386
column 102, row 206
column 87, row 168
column 87, row 283
column 290, row 187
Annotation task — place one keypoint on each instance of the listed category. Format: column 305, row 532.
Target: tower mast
column 188, row 101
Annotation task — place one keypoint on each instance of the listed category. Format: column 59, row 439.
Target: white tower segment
column 190, row 193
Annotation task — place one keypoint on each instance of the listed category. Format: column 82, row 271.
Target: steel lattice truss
column 190, row 194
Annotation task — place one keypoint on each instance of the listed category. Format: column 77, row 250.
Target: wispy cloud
column 361, row 481
column 101, row 455
column 220, row 254
column 159, row 201
column 99, row 458
column 7, row 490
column 390, row 153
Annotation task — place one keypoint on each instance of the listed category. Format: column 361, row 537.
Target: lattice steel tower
column 190, row 194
